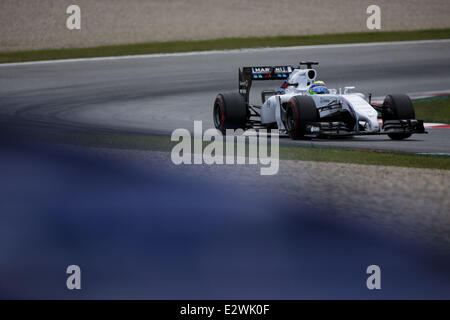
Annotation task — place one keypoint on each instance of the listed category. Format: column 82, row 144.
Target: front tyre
column 301, row 110
column 398, row 107
column 230, row 111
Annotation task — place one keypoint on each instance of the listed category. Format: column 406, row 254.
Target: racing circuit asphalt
column 156, row 94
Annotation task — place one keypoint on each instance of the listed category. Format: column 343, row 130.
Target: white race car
column 295, row 109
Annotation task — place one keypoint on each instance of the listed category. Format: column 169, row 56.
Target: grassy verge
column 163, row 143
column 220, row 44
column 366, row 157
column 436, row 109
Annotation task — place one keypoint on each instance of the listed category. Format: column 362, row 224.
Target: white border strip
column 417, row 95
column 234, row 51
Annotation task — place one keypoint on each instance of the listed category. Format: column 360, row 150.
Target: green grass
column 340, row 155
column 220, row 44
column 435, row 109
column 365, row 157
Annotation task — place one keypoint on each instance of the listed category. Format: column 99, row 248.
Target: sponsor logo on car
column 283, row 69
column 260, row 70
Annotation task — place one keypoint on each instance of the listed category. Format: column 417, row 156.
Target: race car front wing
column 342, row 129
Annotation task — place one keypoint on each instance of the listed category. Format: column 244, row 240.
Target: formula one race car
column 305, row 107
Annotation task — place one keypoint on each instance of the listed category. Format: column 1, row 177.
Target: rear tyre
column 396, row 107
column 301, row 110
column 230, row 112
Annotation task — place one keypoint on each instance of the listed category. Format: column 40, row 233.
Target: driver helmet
column 318, row 87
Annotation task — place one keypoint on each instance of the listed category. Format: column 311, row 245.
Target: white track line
column 417, row 95
column 235, row 51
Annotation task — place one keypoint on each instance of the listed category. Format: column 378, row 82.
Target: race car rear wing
column 249, row 74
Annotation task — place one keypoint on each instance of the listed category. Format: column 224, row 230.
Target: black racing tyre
column 300, row 111
column 396, row 107
column 230, row 111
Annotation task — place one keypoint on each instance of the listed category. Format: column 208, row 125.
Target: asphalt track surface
column 78, row 202
column 157, row 94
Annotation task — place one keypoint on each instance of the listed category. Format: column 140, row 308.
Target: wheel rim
column 290, row 121
column 217, row 116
